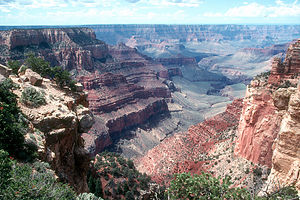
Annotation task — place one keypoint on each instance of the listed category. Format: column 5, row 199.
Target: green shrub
column 14, row 65
column 12, row 128
column 30, row 183
column 42, row 67
column 204, row 186
column 87, row 196
column 38, row 65
column 32, row 97
column 257, row 171
column 5, row 170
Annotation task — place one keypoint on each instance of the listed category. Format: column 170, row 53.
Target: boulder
column 5, row 71
column 34, row 78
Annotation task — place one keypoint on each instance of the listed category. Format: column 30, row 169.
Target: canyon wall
column 286, row 155
column 182, row 152
column 269, row 124
column 189, row 33
column 124, row 87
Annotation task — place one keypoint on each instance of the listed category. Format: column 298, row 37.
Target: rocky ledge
column 56, row 123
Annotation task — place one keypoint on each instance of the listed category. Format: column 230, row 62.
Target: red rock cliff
column 262, row 109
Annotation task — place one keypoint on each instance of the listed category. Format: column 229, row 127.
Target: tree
column 11, row 131
column 91, row 184
column 129, row 195
column 39, row 65
column 98, row 188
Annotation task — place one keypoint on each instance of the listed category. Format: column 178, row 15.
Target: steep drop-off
column 269, row 124
column 182, row 152
column 56, row 125
column 124, row 87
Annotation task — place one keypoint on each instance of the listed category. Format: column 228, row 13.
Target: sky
column 79, row 12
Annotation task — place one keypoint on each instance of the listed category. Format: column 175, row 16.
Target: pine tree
column 98, row 189
column 91, row 184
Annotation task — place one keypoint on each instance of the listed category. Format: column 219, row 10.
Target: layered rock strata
column 289, row 69
column 124, row 87
column 286, row 155
column 263, row 108
column 269, row 124
column 72, row 48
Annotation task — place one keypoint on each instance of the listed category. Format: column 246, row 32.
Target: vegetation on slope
column 20, row 177
column 205, row 186
column 42, row 67
column 114, row 177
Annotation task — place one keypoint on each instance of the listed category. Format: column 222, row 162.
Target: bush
column 88, row 196
column 14, row 65
column 38, row 65
column 42, row 67
column 12, row 128
column 32, row 97
column 204, row 186
column 30, row 183
column 5, row 170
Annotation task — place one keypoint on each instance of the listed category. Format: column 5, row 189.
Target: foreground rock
column 56, row 126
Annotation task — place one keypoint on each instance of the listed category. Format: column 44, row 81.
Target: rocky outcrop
column 182, row 151
column 269, row 125
column 259, row 124
column 289, row 69
column 56, row 127
column 263, row 109
column 72, row 48
column 286, row 157
column 118, row 105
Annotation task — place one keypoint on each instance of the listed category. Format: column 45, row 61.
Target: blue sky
column 78, row 12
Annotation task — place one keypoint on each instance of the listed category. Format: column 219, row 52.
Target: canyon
column 175, row 98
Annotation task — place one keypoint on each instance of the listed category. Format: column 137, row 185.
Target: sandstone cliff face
column 56, row 128
column 182, row 152
column 263, row 109
column 289, row 69
column 259, row 124
column 286, row 157
column 269, row 124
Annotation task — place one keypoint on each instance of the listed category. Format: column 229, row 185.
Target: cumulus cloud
column 280, row 9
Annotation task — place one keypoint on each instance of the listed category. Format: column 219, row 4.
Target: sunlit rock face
column 55, row 127
column 269, row 124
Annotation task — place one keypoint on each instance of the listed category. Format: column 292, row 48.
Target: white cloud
column 281, row 9
column 178, row 3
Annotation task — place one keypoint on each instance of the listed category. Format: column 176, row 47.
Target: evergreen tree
column 91, row 184
column 98, row 188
